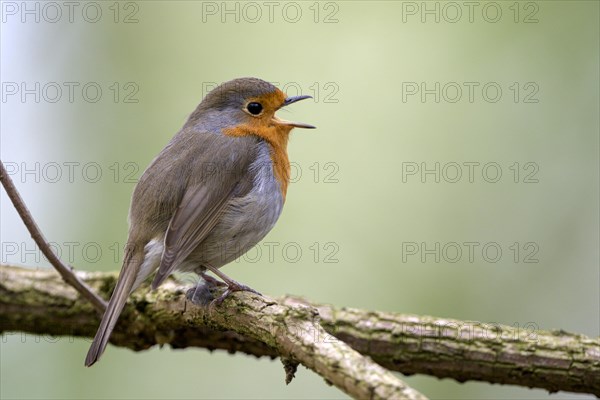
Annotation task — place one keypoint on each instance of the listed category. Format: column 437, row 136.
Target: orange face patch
column 265, row 127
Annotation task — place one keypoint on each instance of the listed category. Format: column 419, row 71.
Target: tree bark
column 331, row 341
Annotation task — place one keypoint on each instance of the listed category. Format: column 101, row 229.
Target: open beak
column 287, row 102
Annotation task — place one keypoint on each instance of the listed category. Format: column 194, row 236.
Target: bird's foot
column 233, row 286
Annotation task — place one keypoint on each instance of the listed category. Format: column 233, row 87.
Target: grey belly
column 245, row 223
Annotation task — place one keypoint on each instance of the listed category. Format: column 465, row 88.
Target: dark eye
column 254, row 108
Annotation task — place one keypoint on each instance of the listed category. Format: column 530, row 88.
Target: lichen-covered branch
column 38, row 301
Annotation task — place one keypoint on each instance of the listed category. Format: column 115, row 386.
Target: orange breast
column 277, row 137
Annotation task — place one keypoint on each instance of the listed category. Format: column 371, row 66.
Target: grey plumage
column 207, row 198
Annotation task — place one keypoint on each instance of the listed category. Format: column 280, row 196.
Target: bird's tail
column 117, row 301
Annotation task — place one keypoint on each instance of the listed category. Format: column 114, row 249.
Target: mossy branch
column 337, row 343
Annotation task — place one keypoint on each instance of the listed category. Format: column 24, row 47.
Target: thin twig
column 65, row 271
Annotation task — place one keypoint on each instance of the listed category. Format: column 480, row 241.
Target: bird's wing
column 199, row 211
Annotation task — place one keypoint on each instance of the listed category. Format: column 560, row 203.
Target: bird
column 214, row 192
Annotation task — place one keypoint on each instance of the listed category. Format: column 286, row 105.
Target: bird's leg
column 211, row 281
column 232, row 286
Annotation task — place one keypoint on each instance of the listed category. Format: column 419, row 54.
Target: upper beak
column 288, row 101
column 293, row 99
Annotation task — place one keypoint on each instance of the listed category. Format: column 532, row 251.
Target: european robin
column 211, row 194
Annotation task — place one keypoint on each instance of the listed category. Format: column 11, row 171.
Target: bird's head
column 249, row 105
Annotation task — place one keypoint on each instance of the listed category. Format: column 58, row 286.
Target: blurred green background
column 362, row 219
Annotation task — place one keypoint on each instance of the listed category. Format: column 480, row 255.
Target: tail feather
column 113, row 311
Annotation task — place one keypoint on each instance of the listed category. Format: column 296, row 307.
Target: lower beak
column 287, row 102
